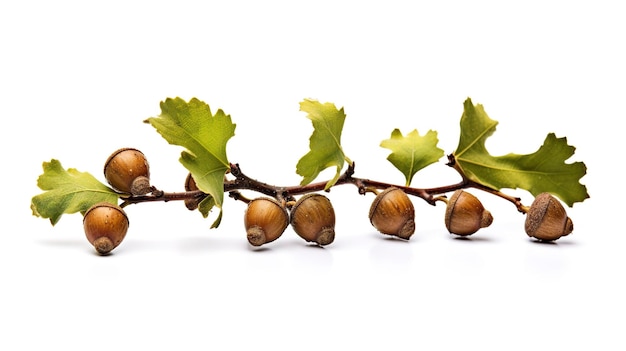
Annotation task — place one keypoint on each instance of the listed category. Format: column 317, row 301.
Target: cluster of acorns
column 312, row 216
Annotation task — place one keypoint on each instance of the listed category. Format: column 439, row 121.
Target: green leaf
column 542, row 171
column 325, row 142
column 206, row 205
column 68, row 191
column 412, row 152
column 204, row 135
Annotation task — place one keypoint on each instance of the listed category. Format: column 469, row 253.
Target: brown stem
column 159, row 195
column 287, row 193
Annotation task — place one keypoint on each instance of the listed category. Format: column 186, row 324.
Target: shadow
column 396, row 239
column 196, row 244
column 391, row 253
column 558, row 242
column 566, row 243
column 316, row 246
column 65, row 243
column 471, row 238
column 294, row 243
column 310, row 256
column 542, row 242
column 201, row 244
column 262, row 248
column 79, row 245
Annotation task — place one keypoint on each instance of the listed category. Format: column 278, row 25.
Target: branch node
column 451, row 160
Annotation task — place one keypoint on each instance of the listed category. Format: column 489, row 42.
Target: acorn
column 105, row 226
column 127, row 170
column 546, row 219
column 392, row 213
column 313, row 219
column 190, row 185
column 465, row 214
column 265, row 220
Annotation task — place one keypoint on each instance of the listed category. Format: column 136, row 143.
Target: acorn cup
column 465, row 214
column 392, row 213
column 265, row 220
column 127, row 170
column 546, row 219
column 313, row 219
column 105, row 226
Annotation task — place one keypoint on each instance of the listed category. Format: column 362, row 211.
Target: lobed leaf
column 412, row 152
column 68, row 191
column 204, row 136
column 542, row 171
column 324, row 143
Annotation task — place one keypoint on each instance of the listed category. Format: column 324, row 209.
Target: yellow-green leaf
column 67, row 191
column 204, row 136
column 412, row 152
column 545, row 170
column 325, row 142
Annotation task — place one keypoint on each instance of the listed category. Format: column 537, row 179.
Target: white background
column 78, row 78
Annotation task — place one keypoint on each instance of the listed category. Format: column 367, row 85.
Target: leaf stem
column 514, row 200
column 472, row 184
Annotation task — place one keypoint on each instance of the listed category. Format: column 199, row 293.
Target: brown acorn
column 392, row 213
column 127, row 170
column 465, row 214
column 313, row 219
column 190, row 185
column 105, row 226
column 546, row 219
column 265, row 220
